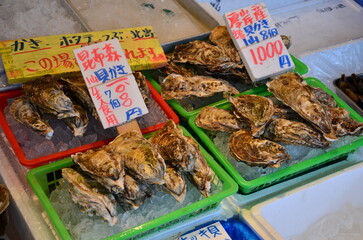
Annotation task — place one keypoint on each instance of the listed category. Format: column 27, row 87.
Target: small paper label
column 214, row 231
column 110, row 83
column 258, row 42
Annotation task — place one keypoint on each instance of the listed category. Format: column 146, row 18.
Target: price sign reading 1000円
column 110, row 83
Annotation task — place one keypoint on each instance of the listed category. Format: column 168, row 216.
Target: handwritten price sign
column 213, row 231
column 110, row 82
column 258, row 42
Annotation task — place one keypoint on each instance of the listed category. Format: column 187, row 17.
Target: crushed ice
column 82, row 226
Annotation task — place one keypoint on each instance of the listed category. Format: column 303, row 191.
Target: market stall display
column 34, row 150
column 45, row 179
column 259, row 149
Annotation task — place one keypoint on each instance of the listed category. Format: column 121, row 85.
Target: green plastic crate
column 249, row 186
column 300, row 68
column 43, row 181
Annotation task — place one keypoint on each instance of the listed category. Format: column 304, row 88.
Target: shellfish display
column 131, row 169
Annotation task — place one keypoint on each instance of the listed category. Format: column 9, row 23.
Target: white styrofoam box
column 291, row 213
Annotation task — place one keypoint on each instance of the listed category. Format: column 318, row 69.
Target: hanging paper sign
column 258, row 42
column 214, row 231
column 110, row 83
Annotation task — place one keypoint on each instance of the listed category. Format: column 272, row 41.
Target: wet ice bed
column 298, row 154
column 35, row 146
column 82, row 226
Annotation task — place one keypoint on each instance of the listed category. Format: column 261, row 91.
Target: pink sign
column 110, row 83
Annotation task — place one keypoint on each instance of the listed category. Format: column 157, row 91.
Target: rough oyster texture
column 175, row 183
column 217, row 119
column 78, row 124
column 134, row 194
column 293, row 132
column 104, row 166
column 292, row 91
column 256, row 152
column 48, row 96
column 343, row 124
column 27, row 114
column 221, row 37
column 204, row 54
column 77, row 89
column 174, row 147
column 202, row 175
column 323, row 97
column 255, row 110
column 141, row 158
column 177, row 87
column 177, row 68
column 141, row 83
column 93, row 201
column 4, row 198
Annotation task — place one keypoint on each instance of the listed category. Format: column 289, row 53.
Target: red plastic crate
column 31, row 163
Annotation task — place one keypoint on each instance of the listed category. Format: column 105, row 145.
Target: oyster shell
column 174, row 147
column 104, row 166
column 292, row 91
column 255, row 110
column 177, row 68
column 93, row 201
column 134, row 194
column 144, row 89
column 202, row 175
column 220, row 37
column 293, row 132
column 204, row 54
column 217, row 119
column 175, row 183
column 4, row 198
column 256, row 152
column 343, row 124
column 48, row 96
column 77, row 88
column 177, row 87
column 27, row 114
column 141, row 158
column 286, row 40
column 323, row 97
column 79, row 123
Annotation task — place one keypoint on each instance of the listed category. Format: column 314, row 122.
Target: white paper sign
column 258, row 42
column 213, row 231
column 110, row 83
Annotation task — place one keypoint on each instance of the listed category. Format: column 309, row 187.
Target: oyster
column 4, row 198
column 255, row 110
column 104, row 166
column 323, row 97
column 144, row 89
column 134, row 194
column 177, row 68
column 141, row 159
column 77, row 88
column 79, row 123
column 217, row 119
column 174, row 147
column 204, row 54
column 256, row 152
column 27, row 114
column 292, row 91
column 175, row 183
column 202, row 175
column 293, row 132
column 220, row 37
column 286, row 40
column 177, row 87
column 89, row 196
column 343, row 124
column 48, row 96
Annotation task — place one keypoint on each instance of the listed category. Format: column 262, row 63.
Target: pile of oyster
column 204, row 68
column 125, row 172
column 66, row 99
column 299, row 115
